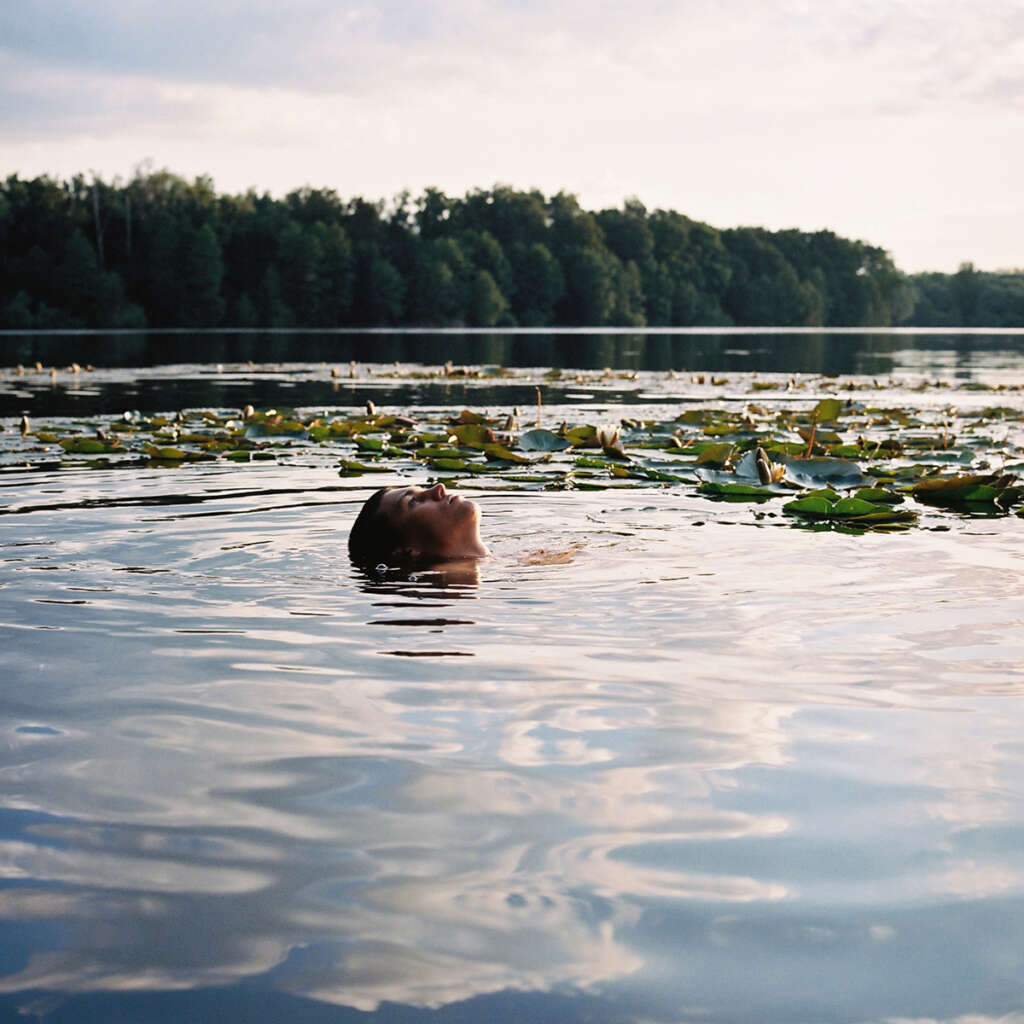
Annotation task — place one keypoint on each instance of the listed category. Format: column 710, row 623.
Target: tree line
column 160, row 251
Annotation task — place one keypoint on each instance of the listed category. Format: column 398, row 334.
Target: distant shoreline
column 163, row 253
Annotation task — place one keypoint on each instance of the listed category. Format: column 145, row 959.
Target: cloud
column 53, row 102
column 878, row 120
column 320, row 45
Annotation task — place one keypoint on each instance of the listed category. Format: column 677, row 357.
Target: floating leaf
column 821, row 437
column 968, row 489
column 86, row 446
column 716, row 455
column 284, row 428
column 472, row 435
column 541, row 440
column 823, row 492
column 826, row 410
column 580, row 436
column 745, row 491
column 813, row 506
column 649, row 473
column 854, row 507
column 526, row 478
column 458, row 466
column 815, row 472
column 500, row 453
column 167, row 454
column 370, row 444
column 467, row 416
column 878, row 496
column 883, row 517
column 437, row 452
column 350, row 468
column 848, row 511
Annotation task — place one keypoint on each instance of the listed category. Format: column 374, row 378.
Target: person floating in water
column 407, row 527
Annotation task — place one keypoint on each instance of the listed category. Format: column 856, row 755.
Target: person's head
column 413, row 525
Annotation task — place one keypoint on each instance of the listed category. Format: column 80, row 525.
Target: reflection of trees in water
column 715, row 353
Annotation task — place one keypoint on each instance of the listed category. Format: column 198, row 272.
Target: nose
column 437, row 492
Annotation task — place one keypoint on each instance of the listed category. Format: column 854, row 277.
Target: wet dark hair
column 373, row 539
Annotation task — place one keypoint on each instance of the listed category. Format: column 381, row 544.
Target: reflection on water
column 647, row 766
column 214, row 369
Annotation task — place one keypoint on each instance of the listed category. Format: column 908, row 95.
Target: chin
column 465, row 507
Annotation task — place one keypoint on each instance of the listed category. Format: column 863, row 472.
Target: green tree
column 540, row 283
column 337, row 273
column 79, row 280
column 591, row 275
column 382, row 291
column 273, row 310
column 441, row 285
column 765, row 289
column 966, row 287
column 657, row 290
column 488, row 305
column 432, row 212
column 485, row 252
column 302, row 284
column 17, row 314
column 244, row 312
column 202, row 270
column 627, row 233
column 628, row 307
column 513, row 218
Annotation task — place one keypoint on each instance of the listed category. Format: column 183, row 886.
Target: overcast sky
column 895, row 121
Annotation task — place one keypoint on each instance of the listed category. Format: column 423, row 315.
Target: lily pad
column 351, row 468
column 819, row 508
column 968, row 489
column 166, row 454
column 715, row 455
column 854, row 507
column 749, row 492
column 458, row 466
column 826, row 410
column 473, row 435
column 879, row 496
column 818, row 471
column 501, row 453
column 86, row 446
column 541, row 440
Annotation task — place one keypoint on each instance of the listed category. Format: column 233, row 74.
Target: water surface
column 664, row 759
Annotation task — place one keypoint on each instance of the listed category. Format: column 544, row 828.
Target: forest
column 160, row 251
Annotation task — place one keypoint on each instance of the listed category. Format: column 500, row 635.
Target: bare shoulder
column 561, row 555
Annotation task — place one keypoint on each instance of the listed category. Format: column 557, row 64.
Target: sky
column 899, row 122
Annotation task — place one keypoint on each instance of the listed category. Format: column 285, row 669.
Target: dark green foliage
column 765, row 288
column 487, row 304
column 165, row 252
column 968, row 298
column 540, row 283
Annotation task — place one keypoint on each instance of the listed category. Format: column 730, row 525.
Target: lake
column 664, row 758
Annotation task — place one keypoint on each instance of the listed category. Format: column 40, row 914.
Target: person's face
column 434, row 523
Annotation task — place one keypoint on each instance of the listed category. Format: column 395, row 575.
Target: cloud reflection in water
column 632, row 789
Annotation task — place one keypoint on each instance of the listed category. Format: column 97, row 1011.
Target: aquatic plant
column 832, row 461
